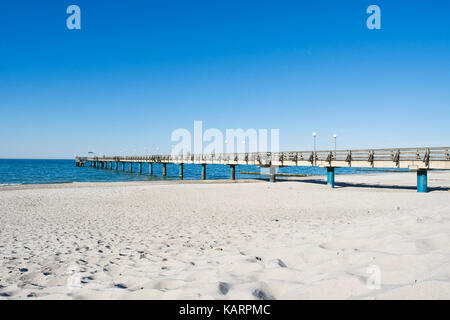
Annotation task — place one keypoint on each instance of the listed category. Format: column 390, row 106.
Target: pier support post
column 330, row 177
column 150, row 168
column 422, row 181
column 131, row 166
column 111, row 165
column 272, row 174
column 123, row 166
column 140, row 167
column 181, row 171
column 204, row 171
column 164, row 169
column 103, row 165
column 233, row 172
column 117, row 165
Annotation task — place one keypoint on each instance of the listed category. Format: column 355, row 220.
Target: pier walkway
column 415, row 159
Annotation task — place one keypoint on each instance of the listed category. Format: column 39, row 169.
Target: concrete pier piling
column 422, row 181
column 117, row 165
column 140, row 167
column 164, row 169
column 123, row 166
column 131, row 167
column 330, row 177
column 150, row 168
column 233, row 172
column 204, row 171
column 181, row 171
column 273, row 170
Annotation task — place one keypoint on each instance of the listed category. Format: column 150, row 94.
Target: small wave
column 46, row 182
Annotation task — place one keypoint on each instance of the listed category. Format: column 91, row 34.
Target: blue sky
column 137, row 70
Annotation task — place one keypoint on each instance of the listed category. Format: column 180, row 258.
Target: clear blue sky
column 139, row 69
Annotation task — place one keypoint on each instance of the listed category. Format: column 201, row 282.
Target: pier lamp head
column 314, row 134
column 334, row 135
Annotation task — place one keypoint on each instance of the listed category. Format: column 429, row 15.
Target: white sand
column 288, row 240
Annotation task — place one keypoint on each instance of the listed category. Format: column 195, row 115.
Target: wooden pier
column 415, row 159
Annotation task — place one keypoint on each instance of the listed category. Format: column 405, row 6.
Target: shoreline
column 280, row 178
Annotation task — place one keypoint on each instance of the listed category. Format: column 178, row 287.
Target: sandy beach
column 223, row 240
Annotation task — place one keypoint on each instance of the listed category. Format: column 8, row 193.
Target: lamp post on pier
column 335, row 136
column 314, row 154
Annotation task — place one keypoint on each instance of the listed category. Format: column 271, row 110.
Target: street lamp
column 335, row 136
column 314, row 155
column 314, row 135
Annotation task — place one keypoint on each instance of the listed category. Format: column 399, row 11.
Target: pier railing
column 413, row 158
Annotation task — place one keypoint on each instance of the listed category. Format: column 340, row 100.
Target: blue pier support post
column 330, row 177
column 422, row 181
column 117, row 165
column 233, row 172
column 131, row 166
column 123, row 166
column 140, row 167
column 181, row 171
column 164, row 169
column 204, row 171
column 150, row 169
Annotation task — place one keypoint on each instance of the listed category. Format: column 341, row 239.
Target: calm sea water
column 21, row 171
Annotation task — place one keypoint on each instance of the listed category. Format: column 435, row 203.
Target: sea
column 44, row 171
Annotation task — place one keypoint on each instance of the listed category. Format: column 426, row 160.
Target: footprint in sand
column 224, row 288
